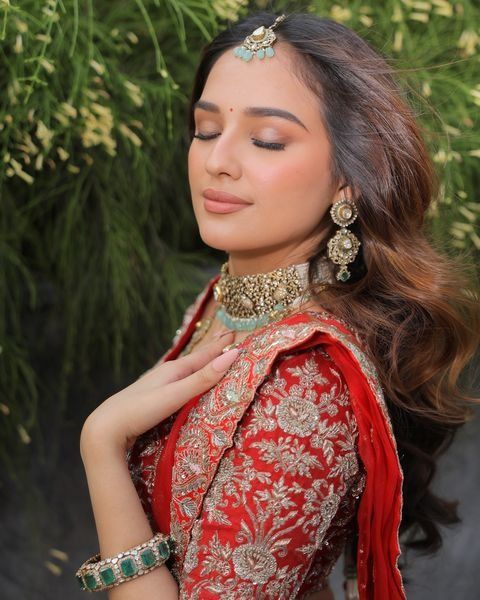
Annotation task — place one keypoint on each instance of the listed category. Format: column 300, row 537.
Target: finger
column 204, row 378
column 186, row 365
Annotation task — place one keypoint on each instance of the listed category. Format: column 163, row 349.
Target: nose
column 223, row 157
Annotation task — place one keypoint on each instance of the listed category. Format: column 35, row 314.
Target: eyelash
column 267, row 145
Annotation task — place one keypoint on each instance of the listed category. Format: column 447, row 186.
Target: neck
column 253, row 263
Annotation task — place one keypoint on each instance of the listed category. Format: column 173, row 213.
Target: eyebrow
column 253, row 111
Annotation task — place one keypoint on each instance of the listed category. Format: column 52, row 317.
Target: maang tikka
column 259, row 42
column 343, row 246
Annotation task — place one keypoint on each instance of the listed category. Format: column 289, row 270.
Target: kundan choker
column 250, row 301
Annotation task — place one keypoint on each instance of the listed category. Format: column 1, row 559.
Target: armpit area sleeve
column 278, row 488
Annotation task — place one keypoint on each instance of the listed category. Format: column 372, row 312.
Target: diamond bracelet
column 96, row 575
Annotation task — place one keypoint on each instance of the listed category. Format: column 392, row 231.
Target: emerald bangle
column 96, row 575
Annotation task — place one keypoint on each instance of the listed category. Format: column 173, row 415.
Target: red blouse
column 272, row 518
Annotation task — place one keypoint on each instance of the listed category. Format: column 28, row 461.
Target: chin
column 217, row 242
column 220, row 240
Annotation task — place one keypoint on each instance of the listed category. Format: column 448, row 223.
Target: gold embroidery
column 277, row 509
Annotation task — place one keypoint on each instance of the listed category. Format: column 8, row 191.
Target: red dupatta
column 380, row 506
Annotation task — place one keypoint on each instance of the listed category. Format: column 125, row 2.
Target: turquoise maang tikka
column 259, row 42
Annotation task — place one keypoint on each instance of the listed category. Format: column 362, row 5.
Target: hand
column 156, row 395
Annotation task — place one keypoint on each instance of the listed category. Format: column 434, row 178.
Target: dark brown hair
column 409, row 303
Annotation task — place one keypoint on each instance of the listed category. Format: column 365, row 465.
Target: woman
column 313, row 423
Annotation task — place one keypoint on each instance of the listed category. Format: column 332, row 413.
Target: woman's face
column 288, row 189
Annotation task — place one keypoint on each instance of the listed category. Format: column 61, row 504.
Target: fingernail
column 222, row 362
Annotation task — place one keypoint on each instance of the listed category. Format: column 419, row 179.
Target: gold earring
column 343, row 246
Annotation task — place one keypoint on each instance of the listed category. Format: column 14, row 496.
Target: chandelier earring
column 344, row 245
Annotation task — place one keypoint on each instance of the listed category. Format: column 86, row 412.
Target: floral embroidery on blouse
column 276, row 516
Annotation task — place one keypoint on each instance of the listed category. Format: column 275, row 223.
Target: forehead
column 234, row 83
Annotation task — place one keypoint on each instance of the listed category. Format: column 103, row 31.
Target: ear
column 343, row 191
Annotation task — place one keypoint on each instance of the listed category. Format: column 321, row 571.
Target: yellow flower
column 132, row 37
column 366, row 20
column 458, row 233
column 63, row 556
column 228, row 9
column 418, row 16
column 472, row 205
column 68, row 109
column 421, row 6
column 39, row 162
column 468, row 214
column 22, row 27
column 475, row 153
column 426, row 89
column 98, row 125
column 397, row 15
column 55, row 569
column 62, row 153
column 452, row 130
column 100, row 69
column 61, row 118
column 468, row 42
column 47, row 65
column 443, row 156
column 22, row 432
column 44, row 134
column 129, row 134
column 18, row 47
column 19, row 172
column 4, row 408
column 443, row 8
column 475, row 239
column 340, row 14
column 42, row 37
column 28, row 145
column 134, row 92
column 398, row 41
column 475, row 92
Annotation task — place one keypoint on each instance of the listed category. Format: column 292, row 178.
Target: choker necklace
column 250, row 301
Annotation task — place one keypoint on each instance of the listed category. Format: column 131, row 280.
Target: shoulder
column 306, row 386
column 302, row 409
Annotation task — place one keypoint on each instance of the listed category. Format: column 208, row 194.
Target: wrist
column 97, row 444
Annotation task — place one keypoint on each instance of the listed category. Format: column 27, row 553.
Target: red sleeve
column 278, row 488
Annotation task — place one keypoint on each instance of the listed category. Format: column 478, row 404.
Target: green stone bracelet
column 96, row 575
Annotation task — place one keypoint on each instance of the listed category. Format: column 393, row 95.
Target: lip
column 222, row 202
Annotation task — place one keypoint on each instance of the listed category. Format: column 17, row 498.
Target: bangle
column 96, row 575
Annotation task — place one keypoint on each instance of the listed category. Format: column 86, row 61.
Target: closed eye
column 259, row 143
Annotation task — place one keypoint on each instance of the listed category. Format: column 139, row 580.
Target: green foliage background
column 99, row 251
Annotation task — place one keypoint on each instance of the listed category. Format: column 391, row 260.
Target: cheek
column 300, row 179
column 193, row 164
